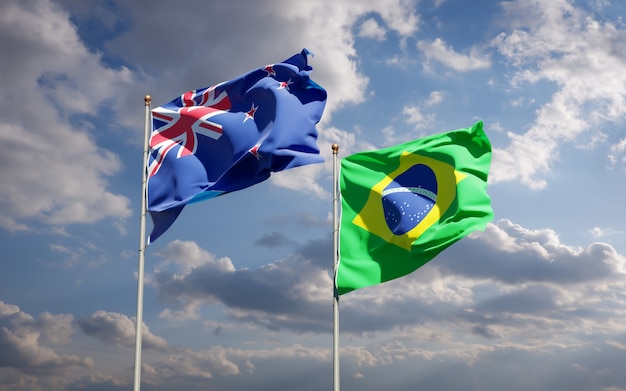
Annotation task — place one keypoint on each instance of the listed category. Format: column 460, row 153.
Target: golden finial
column 335, row 148
column 147, row 99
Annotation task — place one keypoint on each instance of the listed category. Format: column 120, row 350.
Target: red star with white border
column 250, row 113
column 270, row 70
column 255, row 151
column 285, row 84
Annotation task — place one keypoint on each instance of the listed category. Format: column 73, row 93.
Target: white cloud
column 435, row 98
column 305, row 179
column 169, row 362
column 23, row 350
column 333, row 42
column 437, row 50
column 616, row 154
column 371, row 29
column 53, row 171
column 584, row 58
column 416, row 117
column 119, row 329
column 56, row 329
column 527, row 255
column 188, row 255
column 602, row 232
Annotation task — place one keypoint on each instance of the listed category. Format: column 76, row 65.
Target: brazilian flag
column 403, row 205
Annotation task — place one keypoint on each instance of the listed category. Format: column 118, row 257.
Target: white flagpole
column 335, row 148
column 142, row 245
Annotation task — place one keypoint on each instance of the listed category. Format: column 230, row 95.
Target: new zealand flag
column 230, row 136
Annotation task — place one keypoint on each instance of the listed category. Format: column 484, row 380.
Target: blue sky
column 238, row 292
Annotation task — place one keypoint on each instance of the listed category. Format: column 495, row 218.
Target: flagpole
column 142, row 246
column 335, row 148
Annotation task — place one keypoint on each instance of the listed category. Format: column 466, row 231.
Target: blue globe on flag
column 409, row 198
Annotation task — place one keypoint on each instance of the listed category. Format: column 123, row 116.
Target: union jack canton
column 230, row 136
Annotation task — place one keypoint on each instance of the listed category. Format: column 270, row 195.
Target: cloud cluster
column 508, row 292
column 507, row 274
column 283, row 294
column 120, row 330
column 583, row 58
column 25, row 353
column 49, row 81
